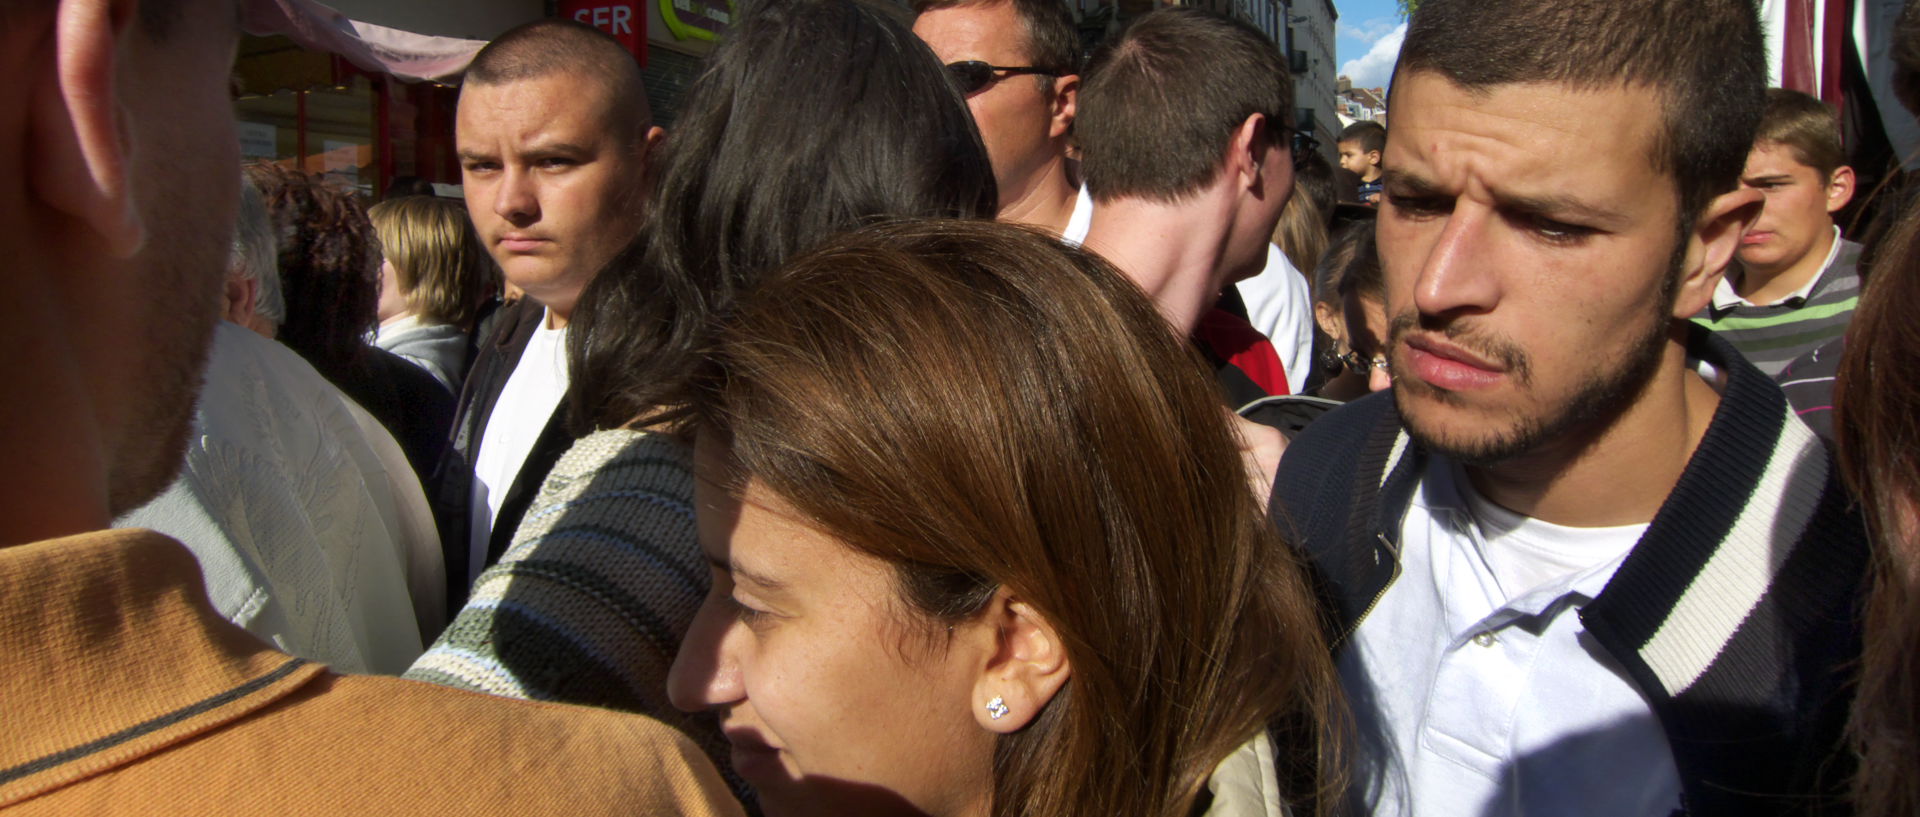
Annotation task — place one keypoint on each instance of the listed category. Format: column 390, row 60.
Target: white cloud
column 1366, row 30
column 1374, row 69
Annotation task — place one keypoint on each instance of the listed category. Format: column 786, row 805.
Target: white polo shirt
column 1475, row 687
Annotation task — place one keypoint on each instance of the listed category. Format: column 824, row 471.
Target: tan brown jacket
column 123, row 692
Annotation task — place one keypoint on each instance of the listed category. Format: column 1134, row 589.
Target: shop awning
column 403, row 54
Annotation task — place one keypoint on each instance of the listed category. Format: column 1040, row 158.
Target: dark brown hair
column 983, row 407
column 329, row 266
column 542, row 48
column 1806, row 126
column 1705, row 58
column 441, row 267
column 1877, row 430
column 1160, row 104
column 812, row 117
column 1351, row 265
column 1371, row 135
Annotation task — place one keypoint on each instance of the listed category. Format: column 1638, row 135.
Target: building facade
column 1311, row 23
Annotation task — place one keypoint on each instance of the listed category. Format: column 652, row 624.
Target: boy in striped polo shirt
column 1794, row 285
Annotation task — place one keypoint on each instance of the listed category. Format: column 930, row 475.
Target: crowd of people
column 940, row 420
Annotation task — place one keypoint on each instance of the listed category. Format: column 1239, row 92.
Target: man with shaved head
column 122, row 690
column 553, row 133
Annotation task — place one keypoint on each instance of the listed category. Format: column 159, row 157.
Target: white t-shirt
column 1476, row 687
column 1081, row 220
column 533, row 391
column 1279, row 305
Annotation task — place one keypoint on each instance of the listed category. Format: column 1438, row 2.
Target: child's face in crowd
column 1356, row 160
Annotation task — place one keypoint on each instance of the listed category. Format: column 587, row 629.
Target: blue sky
column 1366, row 37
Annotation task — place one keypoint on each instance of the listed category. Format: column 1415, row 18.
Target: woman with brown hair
column 982, row 544
column 1877, row 432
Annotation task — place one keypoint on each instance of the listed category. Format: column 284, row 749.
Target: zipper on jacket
column 1375, row 601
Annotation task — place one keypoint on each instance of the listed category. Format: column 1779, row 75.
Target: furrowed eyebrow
column 1777, row 177
column 1561, row 208
column 1403, row 183
column 1408, row 184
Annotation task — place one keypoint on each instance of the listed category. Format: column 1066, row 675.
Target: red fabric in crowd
column 1235, row 340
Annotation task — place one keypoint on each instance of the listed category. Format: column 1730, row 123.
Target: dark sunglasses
column 972, row 75
column 1304, row 145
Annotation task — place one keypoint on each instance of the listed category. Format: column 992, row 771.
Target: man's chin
column 1444, row 423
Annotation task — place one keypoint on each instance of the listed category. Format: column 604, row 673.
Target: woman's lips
column 753, row 757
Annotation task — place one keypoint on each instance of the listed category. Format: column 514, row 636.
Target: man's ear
column 1247, row 153
column 1840, row 188
column 1066, row 100
column 240, row 299
column 80, row 146
column 1711, row 245
column 1026, row 669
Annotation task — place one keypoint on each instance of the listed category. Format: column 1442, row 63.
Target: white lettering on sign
column 611, row 19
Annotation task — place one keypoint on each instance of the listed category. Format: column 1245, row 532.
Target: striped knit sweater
column 1735, row 614
column 1772, row 336
column 589, row 604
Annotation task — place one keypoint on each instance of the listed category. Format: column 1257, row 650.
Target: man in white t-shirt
column 1568, row 574
column 553, row 134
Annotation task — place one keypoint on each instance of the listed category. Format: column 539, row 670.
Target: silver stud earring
column 996, row 708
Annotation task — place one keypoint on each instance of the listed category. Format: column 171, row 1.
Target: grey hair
column 256, row 255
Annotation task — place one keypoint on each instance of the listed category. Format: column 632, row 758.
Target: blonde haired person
column 432, row 282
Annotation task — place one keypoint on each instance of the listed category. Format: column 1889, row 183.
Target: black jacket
column 452, row 490
column 1735, row 615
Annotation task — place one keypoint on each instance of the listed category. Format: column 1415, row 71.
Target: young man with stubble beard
column 1573, row 570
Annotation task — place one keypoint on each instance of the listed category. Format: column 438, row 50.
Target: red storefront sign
column 626, row 20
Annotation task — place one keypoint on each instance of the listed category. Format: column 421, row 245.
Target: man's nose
column 516, row 198
column 1457, row 275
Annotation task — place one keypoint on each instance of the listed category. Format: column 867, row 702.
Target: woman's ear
column 1331, row 321
column 1027, row 668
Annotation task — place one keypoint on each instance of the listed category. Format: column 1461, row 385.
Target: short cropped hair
column 1705, row 59
column 1371, row 135
column 542, row 48
column 1052, row 42
column 1806, row 126
column 443, row 270
column 1160, row 103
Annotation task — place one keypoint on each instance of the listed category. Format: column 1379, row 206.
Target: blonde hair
column 441, row 267
column 1302, row 231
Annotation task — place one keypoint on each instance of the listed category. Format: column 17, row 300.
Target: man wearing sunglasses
column 1017, row 63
